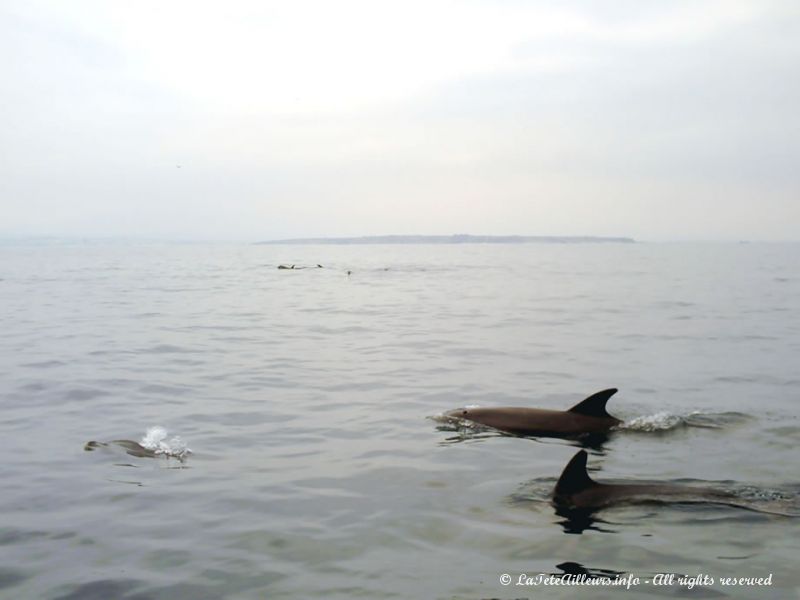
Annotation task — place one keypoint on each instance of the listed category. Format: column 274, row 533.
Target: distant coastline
column 458, row 239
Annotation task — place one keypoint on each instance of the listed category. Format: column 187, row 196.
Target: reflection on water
column 578, row 520
column 467, row 431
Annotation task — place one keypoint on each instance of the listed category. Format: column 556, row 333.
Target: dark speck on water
column 315, row 471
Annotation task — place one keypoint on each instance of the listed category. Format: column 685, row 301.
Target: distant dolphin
column 576, row 491
column 296, row 268
column 131, row 447
column 586, row 417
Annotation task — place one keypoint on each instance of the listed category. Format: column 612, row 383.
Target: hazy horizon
column 256, row 121
column 133, row 239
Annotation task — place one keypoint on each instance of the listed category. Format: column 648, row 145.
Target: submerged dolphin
column 130, row 447
column 576, row 491
column 586, row 417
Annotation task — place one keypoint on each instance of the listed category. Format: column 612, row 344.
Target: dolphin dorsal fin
column 595, row 405
column 574, row 477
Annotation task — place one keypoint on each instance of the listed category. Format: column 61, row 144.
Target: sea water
column 309, row 399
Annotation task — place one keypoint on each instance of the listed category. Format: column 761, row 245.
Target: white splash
column 156, row 440
column 662, row 421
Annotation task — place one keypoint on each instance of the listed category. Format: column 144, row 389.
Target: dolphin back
column 595, row 405
column 130, row 447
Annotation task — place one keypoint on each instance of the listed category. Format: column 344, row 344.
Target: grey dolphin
column 586, row 417
column 130, row 447
column 296, row 268
column 576, row 491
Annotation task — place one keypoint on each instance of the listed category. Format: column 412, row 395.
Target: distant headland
column 461, row 238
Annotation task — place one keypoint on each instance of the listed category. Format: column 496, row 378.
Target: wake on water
column 665, row 421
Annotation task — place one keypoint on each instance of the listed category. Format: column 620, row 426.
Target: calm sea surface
column 306, row 396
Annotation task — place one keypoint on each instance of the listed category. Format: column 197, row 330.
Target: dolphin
column 130, row 447
column 576, row 492
column 296, row 268
column 586, row 417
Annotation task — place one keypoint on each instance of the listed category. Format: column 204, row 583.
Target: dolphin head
column 458, row 413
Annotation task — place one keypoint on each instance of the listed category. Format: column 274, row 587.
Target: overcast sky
column 258, row 120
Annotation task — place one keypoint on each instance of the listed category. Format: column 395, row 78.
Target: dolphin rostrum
column 576, row 491
column 586, row 417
